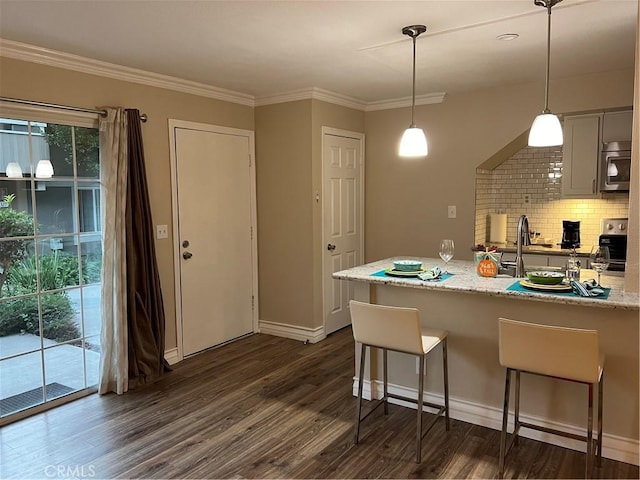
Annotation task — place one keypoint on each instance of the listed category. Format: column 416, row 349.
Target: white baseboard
column 304, row 334
column 613, row 447
column 171, row 355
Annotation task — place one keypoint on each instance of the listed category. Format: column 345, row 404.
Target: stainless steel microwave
column 615, row 167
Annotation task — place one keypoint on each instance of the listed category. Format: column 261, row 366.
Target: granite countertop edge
column 465, row 280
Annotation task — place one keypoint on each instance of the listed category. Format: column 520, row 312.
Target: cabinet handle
column 593, row 186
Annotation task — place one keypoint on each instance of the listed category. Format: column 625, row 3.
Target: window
column 50, row 262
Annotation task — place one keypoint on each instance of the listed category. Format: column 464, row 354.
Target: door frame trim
column 361, row 138
column 250, row 135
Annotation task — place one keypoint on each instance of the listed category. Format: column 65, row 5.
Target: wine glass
column 599, row 259
column 446, row 252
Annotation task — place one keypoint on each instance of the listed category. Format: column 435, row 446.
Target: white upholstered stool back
column 395, row 328
column 398, row 329
column 559, row 352
column 568, row 353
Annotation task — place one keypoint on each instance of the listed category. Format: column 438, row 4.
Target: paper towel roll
column 498, row 227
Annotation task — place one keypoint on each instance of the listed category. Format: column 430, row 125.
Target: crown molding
column 313, row 93
column 426, row 99
column 68, row 61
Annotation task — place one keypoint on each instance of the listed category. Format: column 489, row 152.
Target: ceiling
column 352, row 48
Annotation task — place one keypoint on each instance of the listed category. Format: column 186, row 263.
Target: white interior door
column 343, row 222
column 216, row 247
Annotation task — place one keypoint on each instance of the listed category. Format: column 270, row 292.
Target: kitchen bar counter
column 466, row 280
column 534, row 249
column 468, row 307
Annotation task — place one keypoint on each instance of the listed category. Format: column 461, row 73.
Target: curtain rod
column 143, row 117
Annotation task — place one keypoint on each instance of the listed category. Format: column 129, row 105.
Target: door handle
column 331, row 247
column 187, row 255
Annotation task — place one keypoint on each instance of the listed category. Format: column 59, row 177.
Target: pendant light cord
column 413, row 90
column 546, row 85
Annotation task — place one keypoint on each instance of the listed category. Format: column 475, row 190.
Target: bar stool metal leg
column 420, row 403
column 445, row 370
column 516, row 414
column 600, row 387
column 385, row 376
column 590, row 455
column 363, row 352
column 505, row 419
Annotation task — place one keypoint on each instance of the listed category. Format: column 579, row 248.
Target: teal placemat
column 442, row 278
column 516, row 287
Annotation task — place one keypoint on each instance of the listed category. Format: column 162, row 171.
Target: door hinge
column 253, row 302
column 249, row 161
column 251, row 229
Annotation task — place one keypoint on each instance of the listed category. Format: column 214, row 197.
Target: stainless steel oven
column 615, row 167
column 614, row 236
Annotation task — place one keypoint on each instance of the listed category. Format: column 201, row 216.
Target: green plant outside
column 13, row 224
column 57, row 271
column 20, row 316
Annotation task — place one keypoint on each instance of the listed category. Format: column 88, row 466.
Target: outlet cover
column 162, row 231
column 451, row 211
column 527, row 198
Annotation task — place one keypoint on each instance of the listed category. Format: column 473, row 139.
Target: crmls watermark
column 70, row 471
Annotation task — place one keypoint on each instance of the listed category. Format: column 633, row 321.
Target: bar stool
column 398, row 329
column 563, row 353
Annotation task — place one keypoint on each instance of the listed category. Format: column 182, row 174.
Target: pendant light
column 546, row 130
column 13, row 170
column 44, row 169
column 414, row 142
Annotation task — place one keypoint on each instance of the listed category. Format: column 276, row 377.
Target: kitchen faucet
column 521, row 239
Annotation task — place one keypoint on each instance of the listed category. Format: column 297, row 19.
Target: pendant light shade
column 414, row 141
column 44, row 169
column 546, row 130
column 14, row 170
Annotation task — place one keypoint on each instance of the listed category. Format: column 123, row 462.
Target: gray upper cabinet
column 617, row 126
column 580, row 154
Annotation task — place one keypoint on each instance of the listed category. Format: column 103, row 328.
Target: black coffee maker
column 570, row 234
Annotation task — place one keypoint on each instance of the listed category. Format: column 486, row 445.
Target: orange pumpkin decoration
column 487, row 267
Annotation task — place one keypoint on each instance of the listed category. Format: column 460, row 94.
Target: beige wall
column 285, row 230
column 289, row 173
column 47, row 84
column 632, row 273
column 406, row 209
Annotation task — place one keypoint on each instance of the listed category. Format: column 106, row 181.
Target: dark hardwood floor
column 262, row 407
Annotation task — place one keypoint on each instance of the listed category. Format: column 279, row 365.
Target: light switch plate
column 162, row 231
column 451, row 211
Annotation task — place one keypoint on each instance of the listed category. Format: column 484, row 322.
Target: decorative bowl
column 545, row 278
column 407, row 265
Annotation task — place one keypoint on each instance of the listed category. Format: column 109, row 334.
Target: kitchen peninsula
column 468, row 306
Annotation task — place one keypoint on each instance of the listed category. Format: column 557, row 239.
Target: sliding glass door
column 50, row 263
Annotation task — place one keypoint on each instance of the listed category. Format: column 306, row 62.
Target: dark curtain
column 145, row 308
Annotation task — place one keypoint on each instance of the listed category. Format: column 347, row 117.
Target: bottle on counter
column 573, row 267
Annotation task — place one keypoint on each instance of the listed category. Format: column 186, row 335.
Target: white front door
column 215, row 249
column 343, row 220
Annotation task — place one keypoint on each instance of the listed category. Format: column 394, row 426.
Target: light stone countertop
column 466, row 280
column 541, row 250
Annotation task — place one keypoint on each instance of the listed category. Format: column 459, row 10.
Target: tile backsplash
column 529, row 183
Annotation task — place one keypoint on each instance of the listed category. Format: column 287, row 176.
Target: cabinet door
column 580, row 155
column 617, row 126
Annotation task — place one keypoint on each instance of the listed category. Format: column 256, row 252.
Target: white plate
column 562, row 287
column 401, row 273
